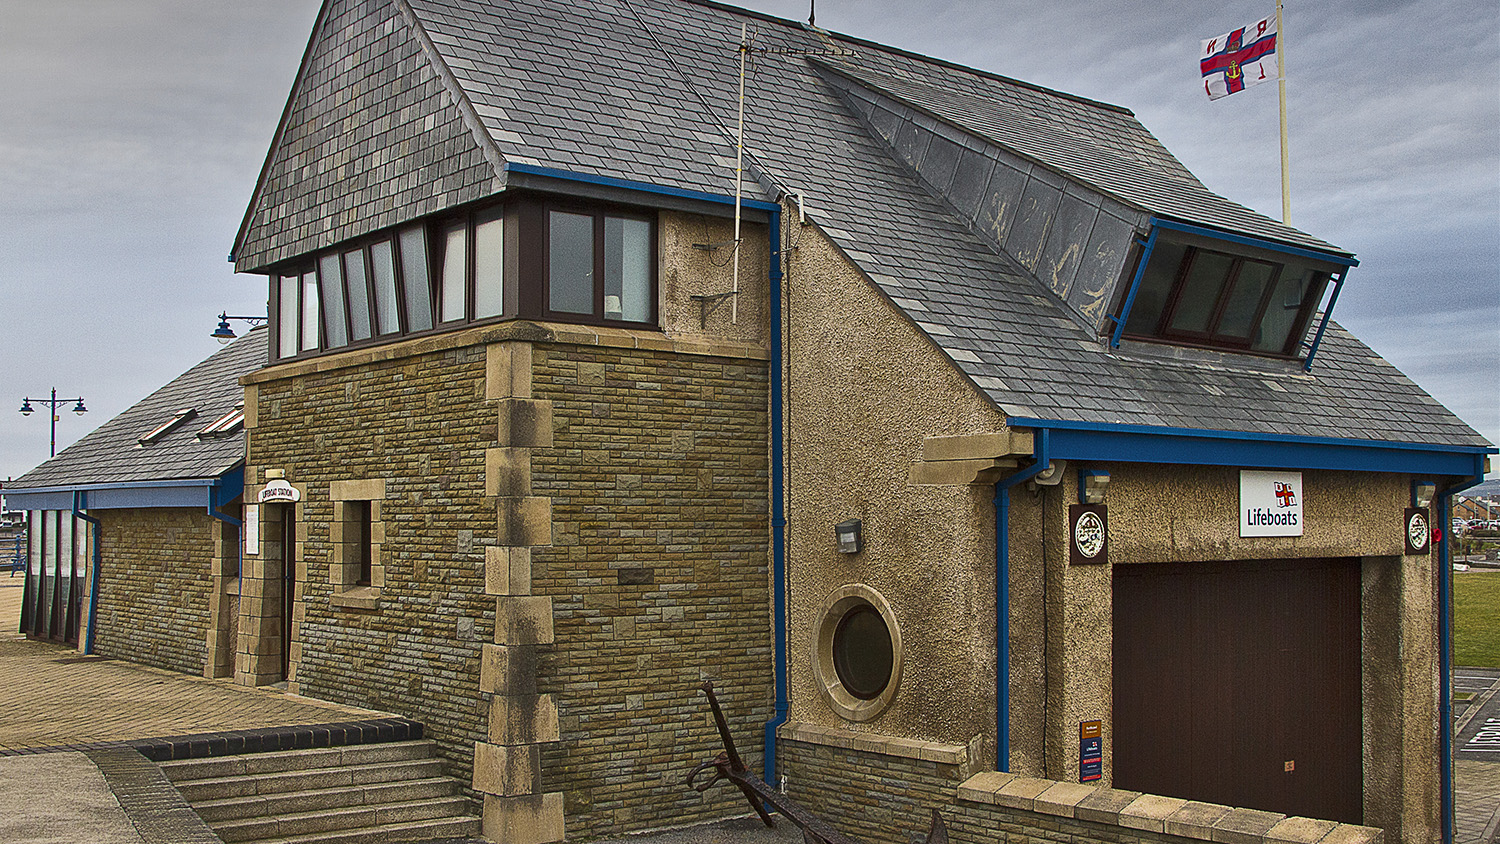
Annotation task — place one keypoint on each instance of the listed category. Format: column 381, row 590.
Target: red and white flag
column 1236, row 60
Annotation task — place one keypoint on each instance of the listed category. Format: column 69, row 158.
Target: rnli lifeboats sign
column 1270, row 503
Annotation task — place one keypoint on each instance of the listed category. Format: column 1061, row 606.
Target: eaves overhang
column 553, row 180
column 1092, row 441
column 210, row 493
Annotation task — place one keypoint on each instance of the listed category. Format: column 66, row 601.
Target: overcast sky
column 131, row 134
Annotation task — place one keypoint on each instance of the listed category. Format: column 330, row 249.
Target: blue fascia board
column 1257, row 242
column 197, row 492
column 642, row 187
column 1185, row 446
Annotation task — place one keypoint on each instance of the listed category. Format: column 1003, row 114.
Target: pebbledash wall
column 570, row 536
column 155, row 588
column 925, row 495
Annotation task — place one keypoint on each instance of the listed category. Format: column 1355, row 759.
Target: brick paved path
column 50, row 696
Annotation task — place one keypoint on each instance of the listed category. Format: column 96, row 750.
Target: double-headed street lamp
column 52, row 403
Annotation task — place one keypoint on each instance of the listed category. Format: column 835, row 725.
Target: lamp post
column 224, row 333
column 52, row 403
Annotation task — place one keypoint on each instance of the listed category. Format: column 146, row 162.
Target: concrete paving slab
column 60, row 798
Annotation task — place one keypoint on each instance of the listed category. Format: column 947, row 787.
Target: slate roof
column 645, row 90
column 112, row 453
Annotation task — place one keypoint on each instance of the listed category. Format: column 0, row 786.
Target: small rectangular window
column 455, row 260
column 383, row 273
column 168, row 426
column 489, row 264
column 357, row 521
column 331, row 282
column 286, row 317
column 416, row 284
column 309, row 311
column 627, row 269
column 359, row 295
column 570, row 263
column 226, row 424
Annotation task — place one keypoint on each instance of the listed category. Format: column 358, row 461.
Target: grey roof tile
column 112, row 453
column 645, row 90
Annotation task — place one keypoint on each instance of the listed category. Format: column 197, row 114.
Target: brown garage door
column 1239, row 683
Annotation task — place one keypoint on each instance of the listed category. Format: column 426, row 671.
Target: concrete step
column 429, row 830
column 281, row 782
column 256, row 806
column 325, row 821
column 295, row 760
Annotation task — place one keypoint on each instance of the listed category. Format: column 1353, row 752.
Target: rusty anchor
column 729, row 766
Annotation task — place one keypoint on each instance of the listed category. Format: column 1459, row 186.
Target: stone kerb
column 507, row 767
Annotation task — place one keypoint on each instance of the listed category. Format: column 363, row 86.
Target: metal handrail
column 13, row 554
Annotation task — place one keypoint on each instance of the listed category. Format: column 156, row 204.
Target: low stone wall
column 877, row 788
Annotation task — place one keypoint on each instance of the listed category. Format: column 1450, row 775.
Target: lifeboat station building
column 982, row 457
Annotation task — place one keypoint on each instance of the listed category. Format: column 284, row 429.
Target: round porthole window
column 857, row 652
column 862, row 655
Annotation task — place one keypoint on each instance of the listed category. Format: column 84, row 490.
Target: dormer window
column 226, row 424
column 167, row 427
column 1196, row 291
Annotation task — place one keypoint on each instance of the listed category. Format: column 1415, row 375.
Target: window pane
column 1200, row 292
column 331, row 282
column 570, row 263
column 1292, row 289
column 415, row 282
column 359, row 295
column 489, row 265
column 309, row 311
column 1156, row 284
column 286, row 317
column 627, row 269
column 1244, row 300
column 383, row 270
column 455, row 238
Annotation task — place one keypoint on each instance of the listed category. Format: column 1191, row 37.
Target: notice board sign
column 1090, row 751
column 1270, row 503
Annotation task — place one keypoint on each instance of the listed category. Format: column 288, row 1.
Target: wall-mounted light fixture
column 1422, row 493
column 224, row 333
column 1091, row 486
column 849, row 537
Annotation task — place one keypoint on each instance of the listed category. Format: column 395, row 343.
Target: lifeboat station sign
column 1270, row 503
column 279, row 492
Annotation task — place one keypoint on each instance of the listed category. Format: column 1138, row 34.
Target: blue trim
column 1151, row 444
column 198, row 492
column 1042, row 456
column 1445, row 645
column 224, row 490
column 1257, row 242
column 1135, row 284
column 778, row 506
column 1338, row 286
column 642, row 187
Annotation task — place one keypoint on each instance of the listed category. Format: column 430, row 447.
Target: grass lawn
column 1476, row 619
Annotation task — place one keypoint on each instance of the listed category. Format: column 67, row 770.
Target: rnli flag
column 1236, row 60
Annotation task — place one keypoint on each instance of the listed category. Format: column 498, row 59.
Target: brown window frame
column 534, row 276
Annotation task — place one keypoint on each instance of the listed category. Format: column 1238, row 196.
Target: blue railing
column 13, row 554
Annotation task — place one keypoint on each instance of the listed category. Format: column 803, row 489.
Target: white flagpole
column 1286, row 176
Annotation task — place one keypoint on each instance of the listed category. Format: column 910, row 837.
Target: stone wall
column 154, row 586
column 879, row 789
column 420, row 424
column 572, row 536
column 658, row 574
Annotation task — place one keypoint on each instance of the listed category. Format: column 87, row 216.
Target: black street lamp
column 52, row 403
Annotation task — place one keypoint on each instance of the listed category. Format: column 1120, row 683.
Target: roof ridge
column 853, row 39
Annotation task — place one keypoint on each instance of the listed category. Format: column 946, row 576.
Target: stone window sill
column 356, row 598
